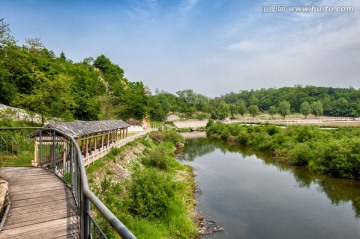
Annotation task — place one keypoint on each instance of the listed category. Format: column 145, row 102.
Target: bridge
column 49, row 195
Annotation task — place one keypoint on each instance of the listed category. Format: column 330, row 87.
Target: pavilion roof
column 81, row 128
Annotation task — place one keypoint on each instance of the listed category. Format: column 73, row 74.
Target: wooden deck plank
column 42, row 206
column 65, row 223
column 57, row 232
column 40, row 214
column 21, row 188
column 40, row 202
column 63, row 186
column 25, row 196
column 49, row 206
column 21, row 222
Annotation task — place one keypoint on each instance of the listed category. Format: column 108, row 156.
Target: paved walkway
column 42, row 206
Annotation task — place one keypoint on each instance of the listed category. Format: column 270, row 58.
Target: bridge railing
column 61, row 154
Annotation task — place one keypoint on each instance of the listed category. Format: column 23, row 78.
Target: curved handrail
column 119, row 227
column 82, row 193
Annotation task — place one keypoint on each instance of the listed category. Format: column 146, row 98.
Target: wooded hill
column 34, row 78
column 284, row 101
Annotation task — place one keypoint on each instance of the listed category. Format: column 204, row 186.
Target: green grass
column 156, row 202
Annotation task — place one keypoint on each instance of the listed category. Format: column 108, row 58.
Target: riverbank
column 253, row 195
column 331, row 152
column 147, row 189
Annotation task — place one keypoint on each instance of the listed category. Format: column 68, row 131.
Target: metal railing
column 61, row 154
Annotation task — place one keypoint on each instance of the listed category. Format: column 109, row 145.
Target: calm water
column 257, row 198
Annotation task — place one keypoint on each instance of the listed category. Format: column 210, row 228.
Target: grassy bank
column 332, row 152
column 146, row 188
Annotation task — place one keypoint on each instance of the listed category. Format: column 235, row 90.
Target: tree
column 305, row 109
column 224, row 110
column 284, row 108
column 52, row 98
column 254, row 110
column 242, row 110
column 272, row 111
column 233, row 110
column 317, row 108
column 62, row 57
column 134, row 102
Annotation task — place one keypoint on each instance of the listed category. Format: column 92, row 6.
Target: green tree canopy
column 317, row 108
column 305, row 108
column 254, row 110
column 284, row 108
column 272, row 111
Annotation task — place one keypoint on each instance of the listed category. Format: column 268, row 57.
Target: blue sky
column 213, row 47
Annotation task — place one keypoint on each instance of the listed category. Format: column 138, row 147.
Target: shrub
column 159, row 157
column 150, row 195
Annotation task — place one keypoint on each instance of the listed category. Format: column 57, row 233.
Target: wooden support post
column 87, row 147
column 126, row 132
column 64, row 156
column 95, row 144
column 102, row 141
column 35, row 161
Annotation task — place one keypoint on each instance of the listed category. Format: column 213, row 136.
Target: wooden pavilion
column 95, row 139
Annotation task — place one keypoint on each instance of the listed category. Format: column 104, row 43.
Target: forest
column 34, row 78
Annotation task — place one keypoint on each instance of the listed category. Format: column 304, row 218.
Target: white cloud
column 246, row 46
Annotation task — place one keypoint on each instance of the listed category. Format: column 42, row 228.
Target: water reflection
column 338, row 191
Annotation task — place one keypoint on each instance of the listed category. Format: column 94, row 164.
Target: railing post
column 54, row 152
column 41, row 147
column 84, row 220
column 87, row 218
column 71, row 165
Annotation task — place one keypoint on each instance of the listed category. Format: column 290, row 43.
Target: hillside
column 32, row 77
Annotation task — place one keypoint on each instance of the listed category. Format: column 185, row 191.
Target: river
column 253, row 196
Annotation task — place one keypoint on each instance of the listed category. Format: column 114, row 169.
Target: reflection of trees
column 337, row 190
column 195, row 148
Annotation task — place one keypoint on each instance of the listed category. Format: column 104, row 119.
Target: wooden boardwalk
column 42, row 206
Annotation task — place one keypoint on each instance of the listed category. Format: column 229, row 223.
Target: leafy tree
column 242, row 110
column 284, row 108
column 233, row 110
column 134, row 102
column 272, row 111
column 305, row 109
column 62, row 57
column 52, row 98
column 254, row 110
column 224, row 110
column 317, row 108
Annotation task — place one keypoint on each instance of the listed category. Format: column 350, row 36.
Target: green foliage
column 333, row 152
column 272, row 110
column 159, row 156
column 305, row 108
column 284, row 108
column 33, row 78
column 254, row 110
column 150, row 194
column 241, row 106
column 152, row 204
column 317, row 108
column 167, row 136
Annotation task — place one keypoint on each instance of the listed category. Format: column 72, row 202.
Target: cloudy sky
column 211, row 46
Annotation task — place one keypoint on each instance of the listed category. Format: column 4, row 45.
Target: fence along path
column 42, row 203
column 42, row 206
